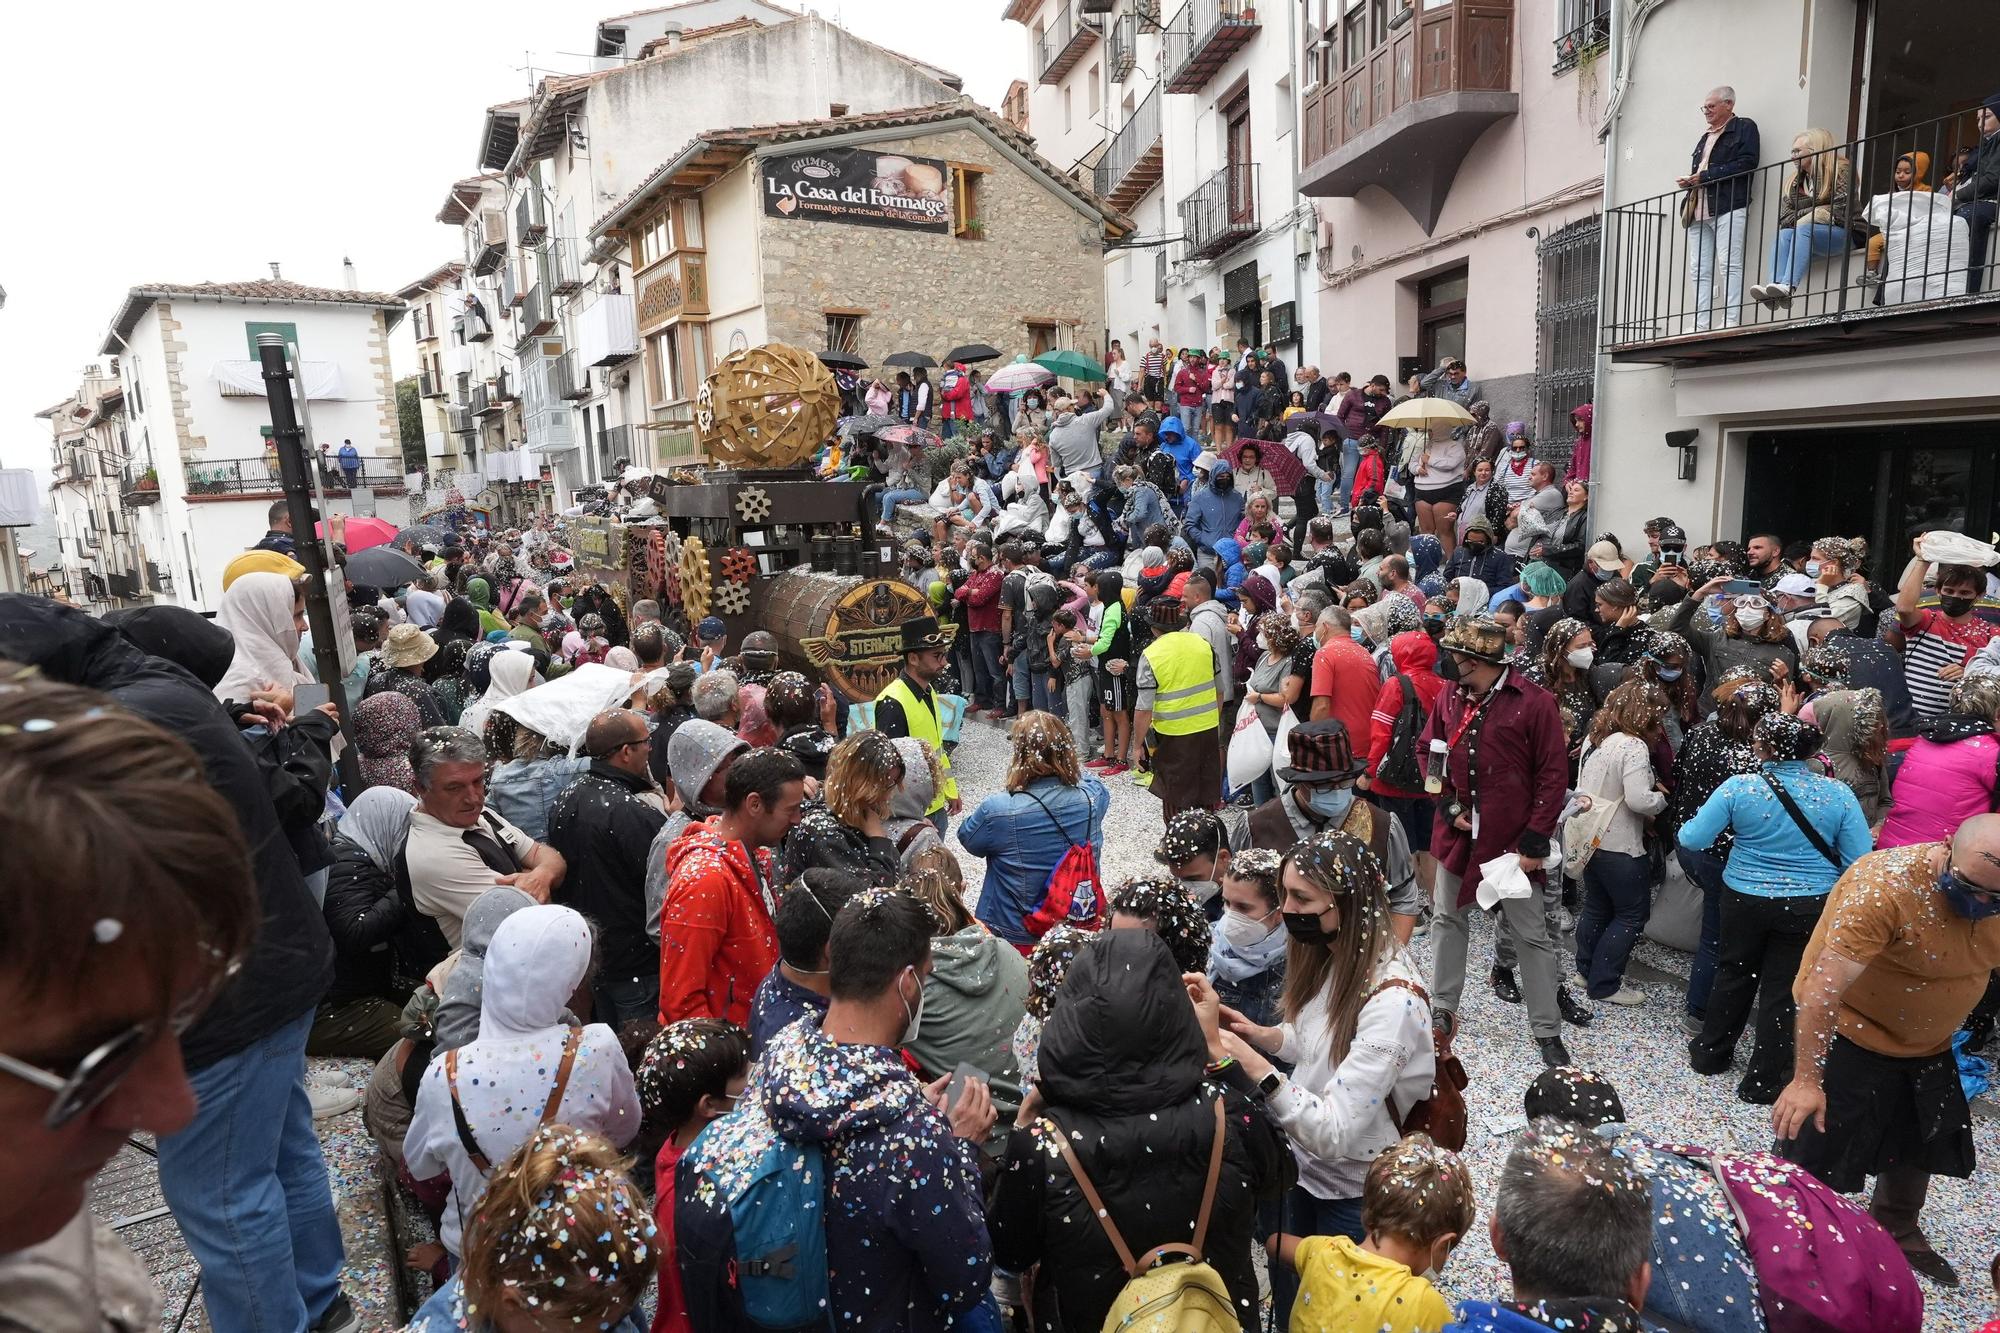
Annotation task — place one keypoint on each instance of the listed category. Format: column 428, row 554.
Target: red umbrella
column 1285, row 469
column 363, row 533
column 914, row 436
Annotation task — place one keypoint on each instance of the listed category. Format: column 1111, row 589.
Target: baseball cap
column 1796, row 585
column 710, row 629
column 1604, row 553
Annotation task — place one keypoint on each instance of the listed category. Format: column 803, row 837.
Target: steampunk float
column 758, row 540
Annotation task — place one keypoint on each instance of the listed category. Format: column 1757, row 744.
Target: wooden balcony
column 1404, row 112
column 1062, row 43
column 1135, row 159
column 1201, row 39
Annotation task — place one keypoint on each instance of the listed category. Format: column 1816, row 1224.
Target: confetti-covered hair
column 561, row 1232
column 1043, row 748
column 935, row 879
column 151, row 873
column 1417, row 1191
column 1279, row 631
column 862, row 774
column 1049, row 964
column 686, row 1061
column 1342, row 867
column 1569, row 1093
column 1828, row 664
column 1635, row 708
column 1258, row 866
column 1175, row 916
column 1785, row 737
column 1553, row 657
column 1189, row 835
column 1978, row 696
column 1574, row 1217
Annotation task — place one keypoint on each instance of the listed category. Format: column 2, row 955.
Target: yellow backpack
column 1188, row 1297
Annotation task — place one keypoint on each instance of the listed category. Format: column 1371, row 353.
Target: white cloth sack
column 1583, row 831
column 1502, row 877
column 1676, row 918
column 1250, row 753
column 562, row 709
column 1955, row 548
column 1928, row 248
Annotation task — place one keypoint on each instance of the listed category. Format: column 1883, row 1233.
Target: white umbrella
column 1432, row 414
column 1021, row 375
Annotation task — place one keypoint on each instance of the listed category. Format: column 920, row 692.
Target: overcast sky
column 200, row 140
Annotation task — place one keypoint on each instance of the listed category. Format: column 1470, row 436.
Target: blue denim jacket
column 1021, row 845
column 521, row 793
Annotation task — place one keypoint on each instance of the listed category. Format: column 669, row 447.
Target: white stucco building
column 196, row 418
column 107, row 552
column 1869, row 410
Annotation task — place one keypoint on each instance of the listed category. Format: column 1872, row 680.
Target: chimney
column 673, row 35
column 275, row 275
column 347, row 272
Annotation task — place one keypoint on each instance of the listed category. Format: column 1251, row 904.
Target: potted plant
column 149, row 480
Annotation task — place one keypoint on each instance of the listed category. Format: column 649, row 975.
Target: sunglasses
column 99, row 1073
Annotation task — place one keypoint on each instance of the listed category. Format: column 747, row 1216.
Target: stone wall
column 1039, row 260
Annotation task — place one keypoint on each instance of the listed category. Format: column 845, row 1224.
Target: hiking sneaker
column 1574, row 1011
column 1627, row 997
column 1690, row 1024
column 340, row 1317
column 328, row 1102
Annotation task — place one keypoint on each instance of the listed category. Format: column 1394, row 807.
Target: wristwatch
column 1268, row 1085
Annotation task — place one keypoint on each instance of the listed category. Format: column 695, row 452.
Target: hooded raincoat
column 509, row 673
column 906, row 1239
column 694, row 752
column 974, row 998
column 1122, row 1070
column 907, row 825
column 717, row 942
column 536, row 961
column 1416, row 660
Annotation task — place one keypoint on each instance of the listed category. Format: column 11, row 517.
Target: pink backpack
column 1823, row 1264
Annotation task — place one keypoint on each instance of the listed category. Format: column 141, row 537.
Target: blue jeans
column 248, row 1187
column 1705, row 869
column 1615, row 907
column 988, row 685
column 1792, row 252
column 1350, row 463
column 1306, row 1214
column 1030, row 687
column 890, row 499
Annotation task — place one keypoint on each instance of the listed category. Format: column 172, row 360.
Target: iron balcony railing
column 1757, row 263
column 569, row 377
column 461, row 421
column 481, row 401
column 1062, row 43
column 257, row 476
column 565, row 270
column 1222, row 210
column 530, row 220
column 1122, row 47
column 1202, row 37
column 1590, row 30
column 1137, row 141
column 427, row 386
column 615, row 443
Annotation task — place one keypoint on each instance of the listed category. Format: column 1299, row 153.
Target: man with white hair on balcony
column 1716, row 206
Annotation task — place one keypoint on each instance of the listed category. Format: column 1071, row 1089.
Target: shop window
column 966, row 217
column 843, row 332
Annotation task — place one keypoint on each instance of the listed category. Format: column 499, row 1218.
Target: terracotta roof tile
column 269, row 289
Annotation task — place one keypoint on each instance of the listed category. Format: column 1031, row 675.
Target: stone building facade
column 983, row 241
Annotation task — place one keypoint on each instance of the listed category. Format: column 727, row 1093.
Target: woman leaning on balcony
column 1812, row 221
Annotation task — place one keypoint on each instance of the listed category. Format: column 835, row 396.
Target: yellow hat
column 261, row 562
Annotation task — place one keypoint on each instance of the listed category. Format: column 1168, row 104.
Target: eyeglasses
column 99, row 1073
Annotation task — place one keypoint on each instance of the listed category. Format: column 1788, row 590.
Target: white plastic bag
column 1249, row 749
column 1955, row 548
column 1281, row 749
column 562, row 709
column 1502, row 877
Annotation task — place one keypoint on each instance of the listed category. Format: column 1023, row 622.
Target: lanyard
column 1475, row 714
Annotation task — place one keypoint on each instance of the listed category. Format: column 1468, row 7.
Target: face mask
column 1475, row 549
column 1580, row 658
column 916, row 1017
column 1813, row 568
column 1305, row 927
column 1263, row 642
column 1954, row 606
column 1751, row 619
column 1602, row 575
column 1224, row 485
column 1963, row 902
column 1671, row 674
column 1243, row 931
column 1330, row 803
column 1201, row 890
column 1447, row 667
column 1354, row 633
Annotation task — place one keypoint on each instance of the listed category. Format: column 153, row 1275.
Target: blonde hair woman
column 850, row 832
column 1815, row 218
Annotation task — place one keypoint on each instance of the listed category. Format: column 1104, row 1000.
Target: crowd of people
column 689, row 1018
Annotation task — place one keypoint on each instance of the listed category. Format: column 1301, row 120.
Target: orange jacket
column 717, row 942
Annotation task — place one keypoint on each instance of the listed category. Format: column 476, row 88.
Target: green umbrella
column 1072, row 365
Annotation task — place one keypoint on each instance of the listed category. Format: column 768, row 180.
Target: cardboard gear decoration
column 656, row 559
column 731, row 599
column 738, row 564
column 694, row 578
column 753, row 504
column 766, row 407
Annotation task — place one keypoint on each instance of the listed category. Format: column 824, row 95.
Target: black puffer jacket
column 1122, row 1074
column 382, row 945
column 291, row 960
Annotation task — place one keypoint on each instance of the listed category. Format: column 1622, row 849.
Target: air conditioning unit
column 493, row 226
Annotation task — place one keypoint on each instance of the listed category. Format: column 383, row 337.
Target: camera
column 1675, row 557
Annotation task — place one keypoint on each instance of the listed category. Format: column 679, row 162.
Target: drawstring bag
column 1073, row 891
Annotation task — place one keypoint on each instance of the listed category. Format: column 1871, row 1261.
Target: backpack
column 1442, row 1114
column 1072, row 893
column 1823, row 1264
column 758, row 1260
column 1400, row 767
column 1187, row 1297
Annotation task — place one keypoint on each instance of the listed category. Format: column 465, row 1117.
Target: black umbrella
column 382, row 567
column 910, row 359
column 973, row 352
column 841, row 361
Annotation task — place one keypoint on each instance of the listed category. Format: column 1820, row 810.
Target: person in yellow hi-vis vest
column 908, row 707
column 1177, row 696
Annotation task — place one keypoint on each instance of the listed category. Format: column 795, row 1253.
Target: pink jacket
column 1938, row 788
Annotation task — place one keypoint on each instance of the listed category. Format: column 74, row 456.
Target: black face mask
column 1475, row 549
column 1955, row 606
column 1665, row 592
column 1447, row 668
column 1224, row 485
column 1306, row 929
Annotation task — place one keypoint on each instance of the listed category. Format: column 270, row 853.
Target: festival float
column 756, row 540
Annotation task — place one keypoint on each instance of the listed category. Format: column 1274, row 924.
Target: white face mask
column 1813, row 568
column 916, row 1017
column 1263, row 641
column 1580, row 658
column 1243, row 931
column 1751, row 618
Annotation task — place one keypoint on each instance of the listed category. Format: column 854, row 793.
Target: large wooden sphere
column 766, row 407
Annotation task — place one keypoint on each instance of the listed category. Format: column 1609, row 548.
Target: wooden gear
column 694, row 578
column 766, row 407
column 739, row 565
column 731, row 599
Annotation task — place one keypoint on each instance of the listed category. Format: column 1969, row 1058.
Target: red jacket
column 717, row 943
column 1522, row 778
column 1416, row 657
column 1191, row 385
column 981, row 594
column 670, row 1315
column 958, row 397
column 1370, row 476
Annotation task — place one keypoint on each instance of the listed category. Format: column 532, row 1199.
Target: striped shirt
column 1155, row 363
column 1933, row 644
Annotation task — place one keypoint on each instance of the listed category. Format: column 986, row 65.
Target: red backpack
column 1073, row 892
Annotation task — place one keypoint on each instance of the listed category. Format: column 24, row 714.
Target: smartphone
column 309, row 696
column 959, row 1077
column 1673, row 557
column 1738, row 587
